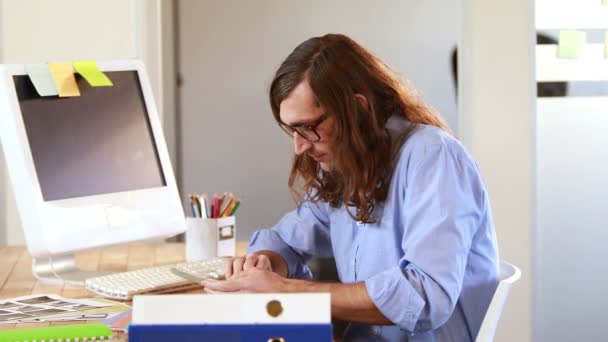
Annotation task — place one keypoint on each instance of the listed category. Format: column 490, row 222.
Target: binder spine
column 231, row 332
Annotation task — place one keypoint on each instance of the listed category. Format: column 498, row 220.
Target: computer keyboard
column 157, row 279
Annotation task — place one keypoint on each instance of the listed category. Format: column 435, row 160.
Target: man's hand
column 240, row 264
column 348, row 301
column 264, row 260
column 253, row 279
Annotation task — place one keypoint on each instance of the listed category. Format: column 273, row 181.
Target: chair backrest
column 509, row 274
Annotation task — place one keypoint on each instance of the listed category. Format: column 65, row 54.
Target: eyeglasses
column 306, row 131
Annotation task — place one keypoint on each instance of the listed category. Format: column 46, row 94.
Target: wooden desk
column 16, row 277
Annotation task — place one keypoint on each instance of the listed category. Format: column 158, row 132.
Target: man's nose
column 300, row 144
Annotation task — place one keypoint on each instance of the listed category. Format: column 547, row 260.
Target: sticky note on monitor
column 571, row 43
column 64, row 79
column 91, row 73
column 41, row 77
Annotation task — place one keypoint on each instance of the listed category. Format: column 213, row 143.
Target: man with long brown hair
column 384, row 188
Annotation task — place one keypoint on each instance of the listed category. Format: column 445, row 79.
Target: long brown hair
column 336, row 68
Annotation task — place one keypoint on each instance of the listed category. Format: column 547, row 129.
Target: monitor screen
column 97, row 143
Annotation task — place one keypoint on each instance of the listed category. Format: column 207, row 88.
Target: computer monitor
column 87, row 171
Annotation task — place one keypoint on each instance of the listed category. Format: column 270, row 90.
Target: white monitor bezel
column 129, row 216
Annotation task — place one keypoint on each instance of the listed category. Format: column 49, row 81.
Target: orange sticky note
column 64, row 79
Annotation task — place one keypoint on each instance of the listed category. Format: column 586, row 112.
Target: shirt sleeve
column 444, row 204
column 297, row 237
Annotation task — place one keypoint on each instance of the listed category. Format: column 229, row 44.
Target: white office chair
column 509, row 274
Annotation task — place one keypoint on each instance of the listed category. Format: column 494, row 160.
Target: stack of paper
column 49, row 307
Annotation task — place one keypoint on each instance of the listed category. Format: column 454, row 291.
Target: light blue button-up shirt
column 430, row 260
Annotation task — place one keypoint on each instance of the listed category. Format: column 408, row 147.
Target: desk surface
column 16, row 277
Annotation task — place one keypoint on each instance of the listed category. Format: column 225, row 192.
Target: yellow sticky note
column 571, row 43
column 91, row 73
column 605, row 2
column 64, row 79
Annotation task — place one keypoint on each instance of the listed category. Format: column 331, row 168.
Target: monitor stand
column 62, row 269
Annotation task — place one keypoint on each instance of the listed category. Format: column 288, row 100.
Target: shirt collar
column 396, row 124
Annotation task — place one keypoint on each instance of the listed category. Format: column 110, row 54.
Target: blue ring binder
column 231, row 333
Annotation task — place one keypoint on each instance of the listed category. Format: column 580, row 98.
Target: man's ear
column 362, row 101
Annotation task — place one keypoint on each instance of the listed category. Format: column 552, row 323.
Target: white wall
column 497, row 124
column 573, row 185
column 229, row 53
column 168, row 77
column 67, row 30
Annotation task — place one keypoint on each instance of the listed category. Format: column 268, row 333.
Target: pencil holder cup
column 208, row 238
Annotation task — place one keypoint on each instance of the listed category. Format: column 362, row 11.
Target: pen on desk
column 228, row 203
column 227, row 211
column 220, row 200
column 214, row 206
column 192, row 206
column 209, row 204
column 236, row 206
column 92, row 316
column 230, row 208
column 197, row 207
column 203, row 201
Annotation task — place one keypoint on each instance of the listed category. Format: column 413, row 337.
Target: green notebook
column 58, row 333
